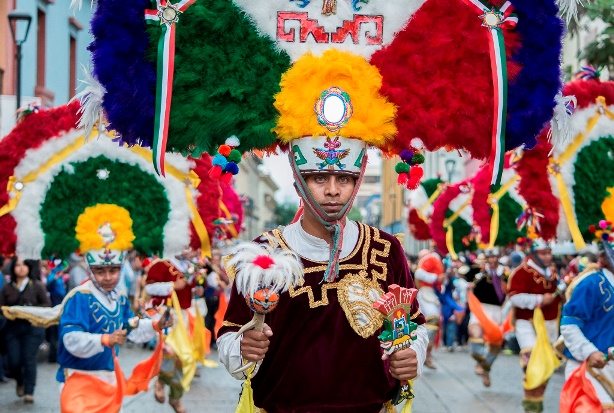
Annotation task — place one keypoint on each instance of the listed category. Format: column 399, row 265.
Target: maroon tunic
column 527, row 280
column 318, row 360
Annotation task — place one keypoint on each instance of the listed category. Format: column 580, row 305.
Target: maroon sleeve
column 401, row 275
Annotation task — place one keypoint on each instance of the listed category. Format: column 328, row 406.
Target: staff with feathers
column 262, row 273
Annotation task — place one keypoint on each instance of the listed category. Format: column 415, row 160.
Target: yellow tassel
column 246, row 402
column 179, row 341
column 543, row 362
column 408, row 403
column 198, row 337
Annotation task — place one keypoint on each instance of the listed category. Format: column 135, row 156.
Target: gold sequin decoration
column 356, row 294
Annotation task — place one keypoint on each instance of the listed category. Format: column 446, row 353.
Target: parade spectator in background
column 23, row 339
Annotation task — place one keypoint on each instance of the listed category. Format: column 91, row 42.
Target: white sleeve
column 419, row 346
column 83, row 345
column 527, row 301
column 427, row 277
column 229, row 351
column 159, row 289
column 577, row 344
column 143, row 333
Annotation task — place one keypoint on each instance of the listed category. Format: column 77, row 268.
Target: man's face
column 493, row 261
column 332, row 192
column 106, row 277
column 545, row 256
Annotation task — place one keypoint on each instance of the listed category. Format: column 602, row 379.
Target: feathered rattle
column 262, row 273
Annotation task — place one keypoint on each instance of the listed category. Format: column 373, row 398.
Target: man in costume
column 533, row 285
column 96, row 318
column 318, row 332
column 325, row 332
column 430, row 275
column 490, row 288
column 164, row 277
column 586, row 327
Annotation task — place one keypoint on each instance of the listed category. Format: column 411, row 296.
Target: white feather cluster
column 569, row 9
column 560, row 125
column 287, row 270
column 76, row 5
column 91, row 99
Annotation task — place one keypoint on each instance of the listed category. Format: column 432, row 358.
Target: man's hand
column 547, row 299
column 403, row 364
column 255, row 344
column 165, row 322
column 117, row 338
column 180, row 283
column 596, row 360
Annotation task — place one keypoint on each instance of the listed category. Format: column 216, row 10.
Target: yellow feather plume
column 373, row 115
column 93, row 226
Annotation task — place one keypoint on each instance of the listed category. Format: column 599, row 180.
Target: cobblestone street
column 452, row 388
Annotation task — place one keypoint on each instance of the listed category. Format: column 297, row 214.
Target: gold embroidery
column 415, row 315
column 231, row 271
column 358, row 291
column 356, row 294
column 401, row 237
column 231, row 324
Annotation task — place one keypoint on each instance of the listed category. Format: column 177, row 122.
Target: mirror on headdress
column 334, row 109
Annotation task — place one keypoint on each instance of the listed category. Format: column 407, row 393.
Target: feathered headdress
column 54, row 174
column 279, row 70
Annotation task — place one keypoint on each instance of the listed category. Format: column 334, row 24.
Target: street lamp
column 450, row 166
column 19, row 22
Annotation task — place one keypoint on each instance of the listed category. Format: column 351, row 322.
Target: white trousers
column 525, row 333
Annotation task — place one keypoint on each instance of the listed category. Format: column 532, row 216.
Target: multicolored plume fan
column 196, row 72
column 53, row 172
column 581, row 169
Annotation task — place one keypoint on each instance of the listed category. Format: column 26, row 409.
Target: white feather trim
column 560, row 125
column 417, row 199
column 264, row 15
column 510, row 173
column 568, row 9
column 91, row 99
column 467, row 212
column 30, row 238
column 285, row 273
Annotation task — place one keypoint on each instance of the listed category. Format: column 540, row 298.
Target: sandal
column 159, row 391
column 177, row 406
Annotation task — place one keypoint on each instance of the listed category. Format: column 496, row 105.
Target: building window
column 371, row 179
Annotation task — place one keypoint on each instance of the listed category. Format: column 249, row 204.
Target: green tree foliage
column 600, row 52
column 284, row 213
column 355, row 215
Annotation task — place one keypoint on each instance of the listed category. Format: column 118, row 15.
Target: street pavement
column 452, row 388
